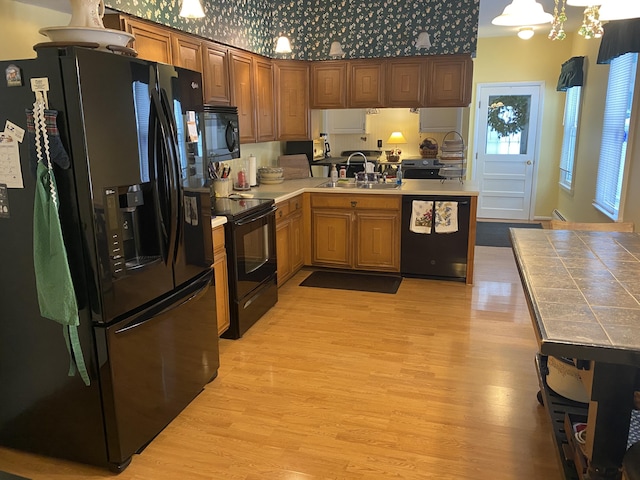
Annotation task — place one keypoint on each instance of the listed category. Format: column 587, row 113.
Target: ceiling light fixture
column 191, row 9
column 619, row 10
column 525, row 33
column 523, row 12
column 283, row 45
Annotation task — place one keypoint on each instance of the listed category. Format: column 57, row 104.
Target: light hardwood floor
column 434, row 382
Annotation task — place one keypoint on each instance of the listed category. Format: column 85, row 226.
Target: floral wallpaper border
column 373, row 29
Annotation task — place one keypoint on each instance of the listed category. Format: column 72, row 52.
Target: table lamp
column 396, row 138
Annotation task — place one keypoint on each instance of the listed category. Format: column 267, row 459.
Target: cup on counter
column 221, row 187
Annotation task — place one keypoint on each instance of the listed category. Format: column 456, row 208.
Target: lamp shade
column 619, row 10
column 283, row 45
column 423, row 40
column 523, row 12
column 396, row 138
column 336, row 50
column 584, row 3
column 191, row 9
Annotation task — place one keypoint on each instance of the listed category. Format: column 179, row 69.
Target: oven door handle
column 244, row 221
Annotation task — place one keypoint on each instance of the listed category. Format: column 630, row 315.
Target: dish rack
column 452, row 156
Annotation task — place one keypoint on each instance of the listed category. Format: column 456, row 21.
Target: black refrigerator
column 139, row 248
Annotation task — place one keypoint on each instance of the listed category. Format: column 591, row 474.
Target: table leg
column 608, row 420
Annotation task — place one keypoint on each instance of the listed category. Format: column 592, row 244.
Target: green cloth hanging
column 56, row 296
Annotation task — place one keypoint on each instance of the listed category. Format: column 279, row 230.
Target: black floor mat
column 496, row 234
column 362, row 282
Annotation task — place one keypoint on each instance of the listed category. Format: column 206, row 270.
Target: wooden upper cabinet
column 292, row 100
column 215, row 72
column 366, row 84
column 449, row 81
column 187, row 52
column 265, row 111
column 405, row 80
column 242, row 94
column 329, row 84
column 152, row 42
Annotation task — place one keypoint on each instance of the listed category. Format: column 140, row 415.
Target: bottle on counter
column 399, row 175
column 334, row 173
column 343, row 172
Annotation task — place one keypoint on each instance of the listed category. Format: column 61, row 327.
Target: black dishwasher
column 435, row 255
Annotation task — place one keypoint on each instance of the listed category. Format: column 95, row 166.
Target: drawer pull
column 353, row 204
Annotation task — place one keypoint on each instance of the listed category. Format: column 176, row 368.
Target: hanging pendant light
column 523, row 12
column 191, row 9
column 619, row 10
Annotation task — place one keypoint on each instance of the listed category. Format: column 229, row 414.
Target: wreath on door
column 508, row 114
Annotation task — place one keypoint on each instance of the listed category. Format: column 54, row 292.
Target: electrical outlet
column 379, row 143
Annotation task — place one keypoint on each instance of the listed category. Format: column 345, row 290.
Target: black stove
column 238, row 208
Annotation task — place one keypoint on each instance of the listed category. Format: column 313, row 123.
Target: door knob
column 529, row 162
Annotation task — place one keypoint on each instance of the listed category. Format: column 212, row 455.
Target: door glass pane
column 508, row 124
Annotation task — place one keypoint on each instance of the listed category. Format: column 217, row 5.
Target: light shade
column 423, row 41
column 584, row 3
column 283, row 45
column 525, row 33
column 336, row 50
column 619, row 10
column 523, row 12
column 396, row 138
column 191, row 9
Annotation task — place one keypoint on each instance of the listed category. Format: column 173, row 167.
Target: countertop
column 583, row 291
column 290, row 188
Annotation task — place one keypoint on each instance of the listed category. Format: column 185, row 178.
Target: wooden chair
column 596, row 227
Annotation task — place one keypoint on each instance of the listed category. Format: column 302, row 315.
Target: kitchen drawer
column 362, row 201
column 283, row 210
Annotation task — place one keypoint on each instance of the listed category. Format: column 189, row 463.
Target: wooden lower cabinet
column 221, row 275
column 359, row 232
column 289, row 238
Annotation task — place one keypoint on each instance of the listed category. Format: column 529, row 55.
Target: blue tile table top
column 583, row 290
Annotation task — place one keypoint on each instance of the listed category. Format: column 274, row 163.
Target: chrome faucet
column 366, row 177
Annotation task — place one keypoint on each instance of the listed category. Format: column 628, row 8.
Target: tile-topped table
column 583, row 291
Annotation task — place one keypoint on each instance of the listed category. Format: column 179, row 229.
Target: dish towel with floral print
column 421, row 216
column 446, row 214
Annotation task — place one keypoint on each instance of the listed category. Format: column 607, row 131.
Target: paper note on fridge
column 10, row 171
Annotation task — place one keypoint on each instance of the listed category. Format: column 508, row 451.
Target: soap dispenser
column 334, row 174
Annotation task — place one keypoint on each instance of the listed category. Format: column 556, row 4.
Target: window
column 615, row 132
column 571, row 116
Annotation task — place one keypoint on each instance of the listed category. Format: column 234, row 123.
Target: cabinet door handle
column 353, row 204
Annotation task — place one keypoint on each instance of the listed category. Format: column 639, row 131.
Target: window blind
column 615, row 130
column 569, row 139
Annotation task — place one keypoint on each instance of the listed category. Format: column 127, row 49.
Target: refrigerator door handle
column 200, row 287
column 175, row 161
column 169, row 166
column 162, row 203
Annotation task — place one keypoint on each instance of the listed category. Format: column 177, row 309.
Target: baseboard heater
column 558, row 216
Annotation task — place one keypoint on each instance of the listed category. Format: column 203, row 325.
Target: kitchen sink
column 368, row 186
column 338, row 185
column 378, row 186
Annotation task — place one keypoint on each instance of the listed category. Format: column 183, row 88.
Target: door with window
column 507, row 149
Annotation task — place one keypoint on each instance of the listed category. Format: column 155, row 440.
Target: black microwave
column 220, row 133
